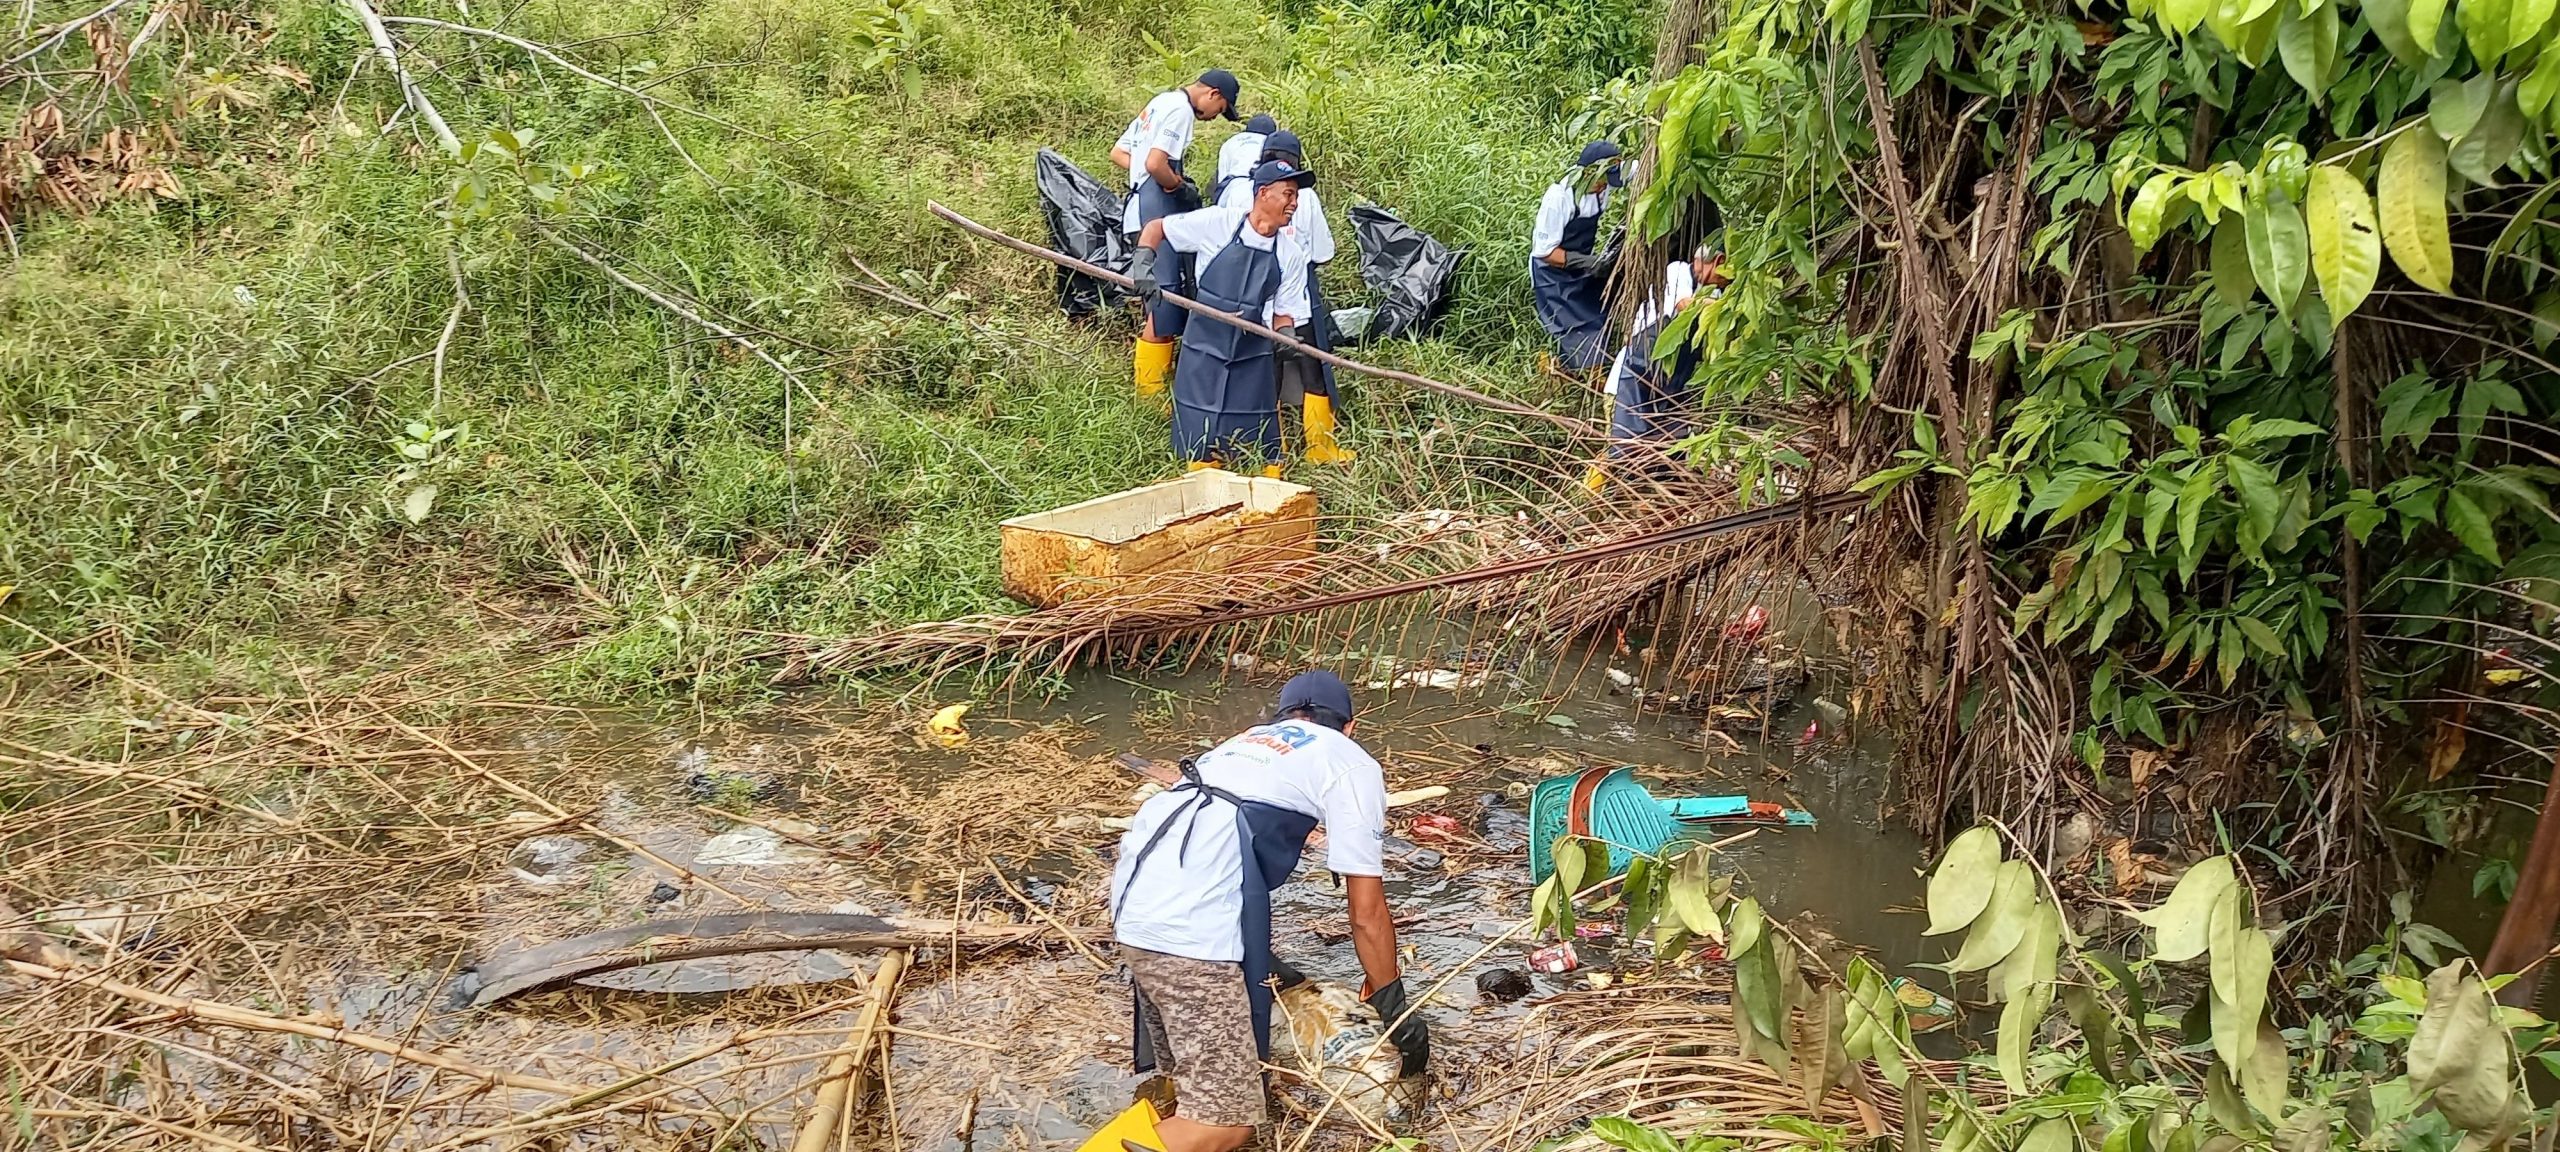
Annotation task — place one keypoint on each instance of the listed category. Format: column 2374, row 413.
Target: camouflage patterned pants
column 1202, row 1028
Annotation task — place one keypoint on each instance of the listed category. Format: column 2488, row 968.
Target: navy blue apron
column 1571, row 305
column 1226, row 388
column 1651, row 396
column 1154, row 203
column 1269, row 838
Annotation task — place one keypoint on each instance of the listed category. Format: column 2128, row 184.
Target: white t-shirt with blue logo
column 1186, row 901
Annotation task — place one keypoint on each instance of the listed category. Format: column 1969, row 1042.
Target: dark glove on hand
column 1142, row 271
column 1411, row 1037
column 1189, row 194
column 1587, row 263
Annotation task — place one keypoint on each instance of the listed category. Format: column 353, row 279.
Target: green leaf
column 418, row 503
column 2002, row 925
column 2308, row 44
column 2261, row 636
column 2424, row 19
column 2259, row 498
column 2183, row 920
column 2414, row 227
column 2535, row 92
column 2484, row 28
column 2470, row 524
column 1691, row 891
column 1620, row 1132
column 2182, row 16
column 2525, row 20
column 2279, row 248
column 2492, row 141
column 1961, row 886
column 2054, row 1135
column 2346, row 246
column 2142, row 221
column 2232, row 279
column 2018, row 1021
column 1542, row 906
column 2389, row 20
column 2453, row 106
column 1569, row 860
column 1750, row 926
column 2262, row 1079
column 2528, row 217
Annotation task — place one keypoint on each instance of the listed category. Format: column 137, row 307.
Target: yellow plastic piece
column 1154, row 361
column 946, row 728
column 1271, row 471
column 1321, row 448
column 1594, row 479
column 1136, row 1125
column 1198, row 465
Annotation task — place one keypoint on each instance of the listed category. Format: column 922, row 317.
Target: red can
column 1555, row 958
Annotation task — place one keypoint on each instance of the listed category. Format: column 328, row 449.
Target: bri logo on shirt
column 1281, row 738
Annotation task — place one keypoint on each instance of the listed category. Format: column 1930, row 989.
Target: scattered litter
column 1503, row 985
column 1326, row 1033
column 1145, row 792
column 1600, row 981
column 1240, row 660
column 752, row 847
column 1621, row 677
column 2075, row 836
column 1561, row 720
column 1416, row 795
column 754, row 778
column 664, row 892
column 1749, row 626
column 1594, row 929
column 1438, row 826
column 1830, row 709
column 1555, row 959
column 547, row 860
column 1115, row 823
column 1424, row 859
column 1517, row 790
column 945, row 726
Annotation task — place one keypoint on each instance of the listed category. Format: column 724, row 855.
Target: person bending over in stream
column 1191, row 905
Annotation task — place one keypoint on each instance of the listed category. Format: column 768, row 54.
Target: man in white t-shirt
column 1191, row 904
column 1226, row 406
column 1150, row 149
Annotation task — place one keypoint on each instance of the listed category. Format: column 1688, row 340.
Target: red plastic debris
column 1747, row 627
column 1438, row 826
column 1555, row 958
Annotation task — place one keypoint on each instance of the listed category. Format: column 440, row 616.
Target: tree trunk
column 2524, row 934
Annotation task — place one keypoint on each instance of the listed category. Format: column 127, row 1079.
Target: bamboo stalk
column 844, row 1073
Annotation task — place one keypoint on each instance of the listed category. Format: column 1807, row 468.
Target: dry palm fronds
column 1663, row 1055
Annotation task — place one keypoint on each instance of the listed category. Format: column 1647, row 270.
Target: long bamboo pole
column 1098, row 272
column 844, row 1073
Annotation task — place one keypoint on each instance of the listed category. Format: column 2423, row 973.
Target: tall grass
column 206, row 399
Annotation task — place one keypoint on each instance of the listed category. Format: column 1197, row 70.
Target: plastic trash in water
column 1555, row 959
column 945, row 726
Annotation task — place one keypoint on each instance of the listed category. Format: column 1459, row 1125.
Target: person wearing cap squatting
column 1151, row 148
column 1191, row 905
column 1306, row 383
column 1567, row 277
column 1226, row 393
column 1239, row 154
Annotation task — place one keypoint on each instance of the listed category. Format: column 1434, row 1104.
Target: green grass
column 203, row 415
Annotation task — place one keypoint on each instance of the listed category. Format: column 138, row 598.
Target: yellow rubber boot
column 1321, row 448
column 1153, row 360
column 1133, row 1128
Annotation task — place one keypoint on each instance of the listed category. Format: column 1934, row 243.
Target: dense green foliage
column 2113, row 282
column 227, row 431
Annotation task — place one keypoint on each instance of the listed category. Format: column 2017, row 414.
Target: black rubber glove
column 1587, row 263
column 1142, row 271
column 1411, row 1037
column 1189, row 195
column 1285, row 974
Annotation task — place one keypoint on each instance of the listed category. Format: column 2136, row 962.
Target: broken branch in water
column 972, row 227
column 726, row 934
column 842, row 1081
column 215, row 1012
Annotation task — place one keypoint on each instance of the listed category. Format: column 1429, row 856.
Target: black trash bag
column 1410, row 272
column 1084, row 222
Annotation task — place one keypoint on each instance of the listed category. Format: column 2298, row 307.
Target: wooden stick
column 1098, row 272
column 844, row 1073
column 1046, row 918
column 409, row 91
column 215, row 1012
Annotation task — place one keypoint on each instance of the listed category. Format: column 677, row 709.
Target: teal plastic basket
column 1612, row 806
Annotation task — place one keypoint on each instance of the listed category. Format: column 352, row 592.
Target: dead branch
column 725, row 934
column 63, row 33
column 844, row 1075
column 409, row 90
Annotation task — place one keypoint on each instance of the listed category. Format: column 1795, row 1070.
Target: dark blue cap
column 1263, row 123
column 1225, row 84
column 1274, row 171
column 1597, row 151
column 1285, row 143
column 1318, row 690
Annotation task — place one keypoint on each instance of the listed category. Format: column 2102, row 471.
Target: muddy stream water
column 1029, row 1051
